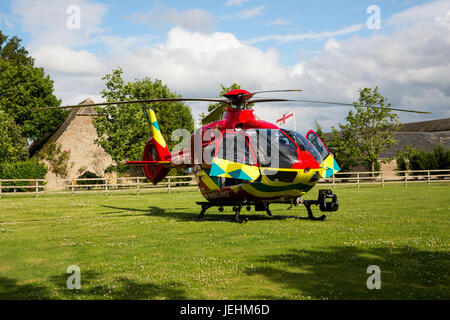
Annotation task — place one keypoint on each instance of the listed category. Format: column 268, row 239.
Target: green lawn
column 153, row 247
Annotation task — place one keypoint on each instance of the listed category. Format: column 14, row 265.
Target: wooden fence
column 381, row 178
column 103, row 185
column 140, row 184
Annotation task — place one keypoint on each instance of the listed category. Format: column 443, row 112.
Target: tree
column 24, row 87
column 319, row 130
column 214, row 106
column 123, row 130
column 10, row 50
column 367, row 133
column 12, row 145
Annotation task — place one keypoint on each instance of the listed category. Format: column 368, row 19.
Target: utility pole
column 295, row 125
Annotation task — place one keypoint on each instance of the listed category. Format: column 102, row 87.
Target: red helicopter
column 241, row 161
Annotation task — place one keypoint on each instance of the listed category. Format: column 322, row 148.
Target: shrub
column 21, row 170
column 58, row 159
column 413, row 159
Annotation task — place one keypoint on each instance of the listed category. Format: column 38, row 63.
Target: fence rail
column 170, row 183
column 387, row 177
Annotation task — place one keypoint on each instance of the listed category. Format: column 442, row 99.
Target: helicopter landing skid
column 322, row 202
column 237, row 207
column 307, row 204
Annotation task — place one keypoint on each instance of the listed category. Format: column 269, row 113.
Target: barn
column 76, row 136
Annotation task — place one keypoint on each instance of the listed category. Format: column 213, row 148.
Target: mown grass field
column 153, row 247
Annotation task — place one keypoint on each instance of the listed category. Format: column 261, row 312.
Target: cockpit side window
column 236, row 148
column 318, row 144
column 273, row 148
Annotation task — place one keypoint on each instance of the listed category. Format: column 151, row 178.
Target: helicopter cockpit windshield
column 305, row 144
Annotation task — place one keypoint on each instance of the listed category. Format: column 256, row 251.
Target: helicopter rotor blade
column 134, row 101
column 213, row 115
column 251, row 94
column 336, row 103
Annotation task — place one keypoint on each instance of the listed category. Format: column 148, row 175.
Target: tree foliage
column 12, row 51
column 12, row 145
column 123, row 130
column 367, row 133
column 413, row 159
column 319, row 130
column 58, row 159
column 21, row 170
column 24, row 87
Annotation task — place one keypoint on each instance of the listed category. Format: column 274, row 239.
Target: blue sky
column 325, row 48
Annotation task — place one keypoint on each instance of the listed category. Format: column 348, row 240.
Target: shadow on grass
column 227, row 216
column 341, row 273
column 92, row 287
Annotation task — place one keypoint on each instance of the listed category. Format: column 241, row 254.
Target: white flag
column 287, row 118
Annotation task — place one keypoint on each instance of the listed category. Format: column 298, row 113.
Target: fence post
column 37, row 187
column 333, row 180
column 137, row 188
column 429, row 178
column 168, row 184
column 357, row 181
column 0, row 189
column 106, row 186
column 406, row 179
column 382, row 180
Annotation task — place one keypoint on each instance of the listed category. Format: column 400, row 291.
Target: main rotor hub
column 238, row 97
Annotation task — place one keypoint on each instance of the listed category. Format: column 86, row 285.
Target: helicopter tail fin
column 156, row 132
column 156, row 160
column 156, row 152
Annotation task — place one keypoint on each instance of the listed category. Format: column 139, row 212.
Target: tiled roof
column 427, row 126
column 37, row 145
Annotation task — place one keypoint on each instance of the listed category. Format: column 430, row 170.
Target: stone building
column 76, row 135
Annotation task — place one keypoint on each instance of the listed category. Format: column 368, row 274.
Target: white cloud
column 277, row 22
column 192, row 19
column 426, row 12
column 235, row 2
column 196, row 63
column 307, row 35
column 250, row 13
column 46, row 21
column 62, row 59
column 410, row 64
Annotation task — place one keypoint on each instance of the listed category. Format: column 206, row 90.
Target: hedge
column 413, row 159
column 21, row 170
